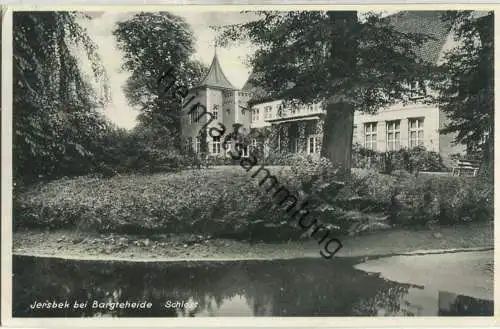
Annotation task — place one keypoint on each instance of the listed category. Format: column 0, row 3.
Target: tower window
column 215, row 112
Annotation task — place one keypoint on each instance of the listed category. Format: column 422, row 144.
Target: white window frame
column 216, row 146
column 197, row 118
column 268, row 112
column 484, row 138
column 419, row 128
column 371, row 132
column 255, row 115
column 418, row 89
column 253, row 144
column 197, row 147
column 194, row 115
column 393, row 135
column 315, row 149
column 244, row 151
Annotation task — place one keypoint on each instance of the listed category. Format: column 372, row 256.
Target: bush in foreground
column 411, row 160
column 441, row 199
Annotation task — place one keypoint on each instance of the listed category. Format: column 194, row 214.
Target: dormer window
column 417, row 89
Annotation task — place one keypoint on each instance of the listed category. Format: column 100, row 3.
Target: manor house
column 299, row 129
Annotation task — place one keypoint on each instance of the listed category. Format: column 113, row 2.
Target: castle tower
column 216, row 78
column 220, row 99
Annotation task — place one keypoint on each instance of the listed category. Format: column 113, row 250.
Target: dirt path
column 84, row 245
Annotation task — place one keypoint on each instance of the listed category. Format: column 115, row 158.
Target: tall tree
column 335, row 58
column 465, row 82
column 154, row 43
column 55, row 115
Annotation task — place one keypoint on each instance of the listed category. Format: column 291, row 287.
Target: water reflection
column 455, row 305
column 300, row 287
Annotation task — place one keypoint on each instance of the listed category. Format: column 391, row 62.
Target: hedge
column 411, row 160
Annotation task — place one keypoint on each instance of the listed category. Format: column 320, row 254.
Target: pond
column 298, row 287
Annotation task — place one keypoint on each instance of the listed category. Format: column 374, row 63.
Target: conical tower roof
column 215, row 77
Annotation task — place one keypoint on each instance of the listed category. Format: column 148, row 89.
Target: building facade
column 298, row 129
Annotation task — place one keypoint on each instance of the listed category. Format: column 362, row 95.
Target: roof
column 424, row 22
column 215, row 77
column 257, row 92
column 427, row 23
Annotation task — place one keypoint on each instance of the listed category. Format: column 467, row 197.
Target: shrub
column 443, row 199
column 411, row 160
column 371, row 184
column 154, row 160
column 221, row 161
column 277, row 159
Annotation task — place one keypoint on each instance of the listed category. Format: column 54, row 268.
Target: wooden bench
column 466, row 167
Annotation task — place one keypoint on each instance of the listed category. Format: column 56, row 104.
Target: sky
column 232, row 59
column 100, row 29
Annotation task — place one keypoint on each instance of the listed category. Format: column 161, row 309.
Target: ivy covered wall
column 288, row 137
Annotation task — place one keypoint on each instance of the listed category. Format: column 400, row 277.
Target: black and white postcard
column 177, row 165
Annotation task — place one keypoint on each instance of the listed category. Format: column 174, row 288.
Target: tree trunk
column 486, row 34
column 338, row 125
column 337, row 134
